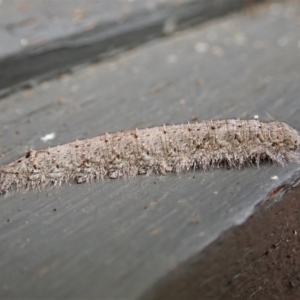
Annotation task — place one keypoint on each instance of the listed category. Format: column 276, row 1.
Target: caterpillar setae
column 176, row 148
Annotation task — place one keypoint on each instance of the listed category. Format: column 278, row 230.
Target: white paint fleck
column 240, row 39
column 274, row 178
column 24, row 42
column 201, row 47
column 256, row 117
column 48, row 137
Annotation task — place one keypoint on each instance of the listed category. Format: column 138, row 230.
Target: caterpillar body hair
column 176, row 148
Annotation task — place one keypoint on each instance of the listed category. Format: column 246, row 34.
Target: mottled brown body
column 176, row 148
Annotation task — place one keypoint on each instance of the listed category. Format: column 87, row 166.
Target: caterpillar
column 176, row 148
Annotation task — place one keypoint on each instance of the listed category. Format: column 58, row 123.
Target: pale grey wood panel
column 41, row 39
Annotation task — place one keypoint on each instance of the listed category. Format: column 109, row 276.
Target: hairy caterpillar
column 209, row 144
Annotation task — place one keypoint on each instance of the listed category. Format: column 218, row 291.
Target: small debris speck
column 201, row 47
column 23, row 42
column 48, row 137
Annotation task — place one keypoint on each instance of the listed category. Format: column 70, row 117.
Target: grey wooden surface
column 44, row 38
column 117, row 239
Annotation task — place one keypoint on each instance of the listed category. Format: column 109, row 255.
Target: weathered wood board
column 118, row 239
column 44, row 38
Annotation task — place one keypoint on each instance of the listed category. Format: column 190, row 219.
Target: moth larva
column 205, row 145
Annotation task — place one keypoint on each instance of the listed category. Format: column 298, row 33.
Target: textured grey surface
column 116, row 239
column 45, row 38
column 30, row 23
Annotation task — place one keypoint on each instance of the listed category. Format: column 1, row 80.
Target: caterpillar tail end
column 7, row 181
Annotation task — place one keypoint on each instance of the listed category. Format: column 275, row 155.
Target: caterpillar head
column 291, row 138
column 291, row 143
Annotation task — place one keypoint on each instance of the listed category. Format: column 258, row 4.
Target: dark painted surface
column 45, row 38
column 121, row 239
column 256, row 260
